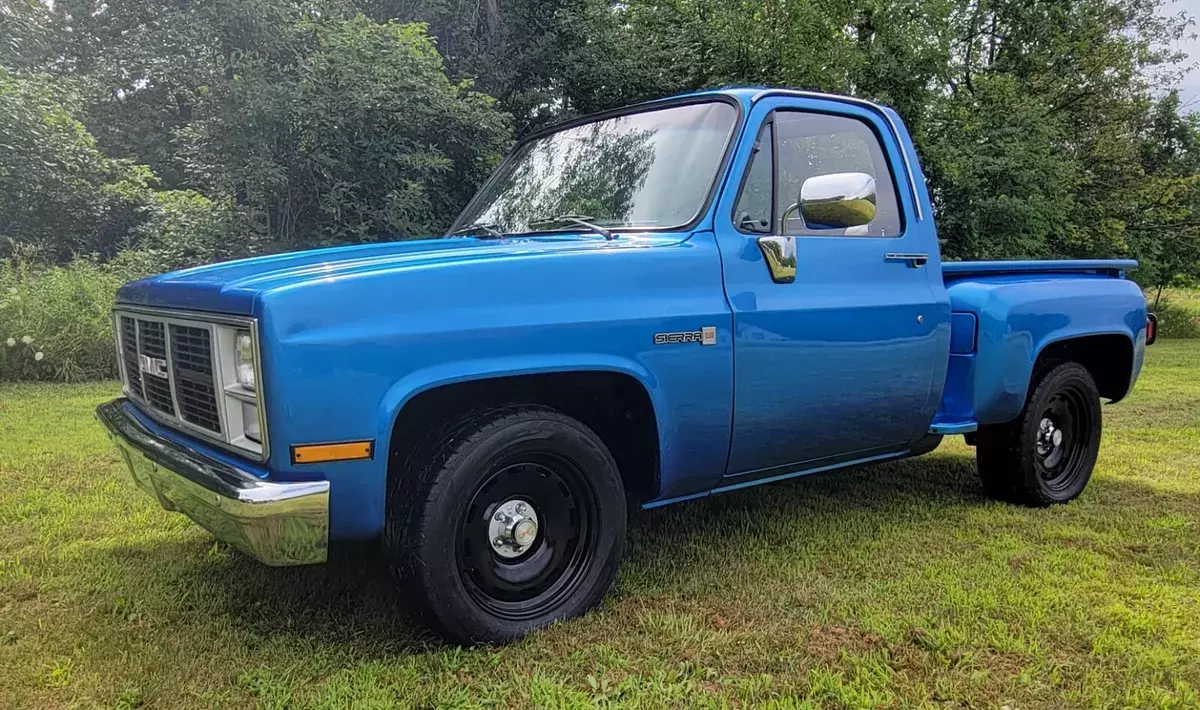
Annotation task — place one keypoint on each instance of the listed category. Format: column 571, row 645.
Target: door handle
column 914, row 260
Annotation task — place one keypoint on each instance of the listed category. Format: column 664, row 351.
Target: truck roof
column 749, row 94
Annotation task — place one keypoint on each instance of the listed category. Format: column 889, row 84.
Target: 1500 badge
column 705, row 336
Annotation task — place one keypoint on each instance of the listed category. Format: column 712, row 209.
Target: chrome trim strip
column 137, row 350
column 277, row 523
column 912, row 182
column 195, row 316
column 236, row 392
column 914, row 259
column 210, row 322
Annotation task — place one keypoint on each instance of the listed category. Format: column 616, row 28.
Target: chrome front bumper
column 276, row 523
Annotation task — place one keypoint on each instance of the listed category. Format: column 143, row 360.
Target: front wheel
column 516, row 519
column 1046, row 455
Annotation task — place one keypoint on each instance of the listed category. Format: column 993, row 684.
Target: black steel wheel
column 528, row 536
column 1046, row 455
column 515, row 521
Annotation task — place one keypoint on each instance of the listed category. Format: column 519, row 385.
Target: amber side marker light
column 340, row 451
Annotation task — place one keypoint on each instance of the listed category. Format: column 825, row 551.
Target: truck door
column 839, row 362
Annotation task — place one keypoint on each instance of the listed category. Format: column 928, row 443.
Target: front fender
column 342, row 356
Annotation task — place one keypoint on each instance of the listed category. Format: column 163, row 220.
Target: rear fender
column 1021, row 319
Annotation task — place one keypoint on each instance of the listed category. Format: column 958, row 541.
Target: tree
column 1165, row 229
column 59, row 194
column 353, row 133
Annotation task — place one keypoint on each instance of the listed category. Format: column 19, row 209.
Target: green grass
column 892, row 586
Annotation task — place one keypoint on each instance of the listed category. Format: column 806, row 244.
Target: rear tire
column 1046, row 455
column 508, row 521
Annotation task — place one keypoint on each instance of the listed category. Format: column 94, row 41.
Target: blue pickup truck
column 645, row 306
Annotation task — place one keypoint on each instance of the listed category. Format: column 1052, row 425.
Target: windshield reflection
column 651, row 170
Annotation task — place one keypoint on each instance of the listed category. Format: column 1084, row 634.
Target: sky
column 1189, row 89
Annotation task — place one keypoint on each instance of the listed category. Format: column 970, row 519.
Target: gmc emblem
column 153, row 366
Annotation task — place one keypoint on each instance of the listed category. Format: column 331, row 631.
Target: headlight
column 244, row 359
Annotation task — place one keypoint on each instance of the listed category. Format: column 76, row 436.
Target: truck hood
column 235, row 287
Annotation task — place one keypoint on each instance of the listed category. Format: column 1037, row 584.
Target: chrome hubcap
column 1049, row 441
column 513, row 528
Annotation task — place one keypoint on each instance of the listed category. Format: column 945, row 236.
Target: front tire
column 514, row 519
column 1046, row 455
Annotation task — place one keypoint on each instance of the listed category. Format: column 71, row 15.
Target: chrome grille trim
column 195, row 397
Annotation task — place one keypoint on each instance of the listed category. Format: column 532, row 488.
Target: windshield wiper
column 580, row 220
column 487, row 229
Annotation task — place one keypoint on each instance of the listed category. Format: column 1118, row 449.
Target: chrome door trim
column 914, row 259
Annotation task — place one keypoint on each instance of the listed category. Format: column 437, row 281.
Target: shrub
column 183, row 228
column 1178, row 317
column 55, row 322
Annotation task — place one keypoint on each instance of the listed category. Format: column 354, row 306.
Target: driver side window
column 794, row 146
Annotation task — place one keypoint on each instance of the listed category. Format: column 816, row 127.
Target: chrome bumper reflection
column 277, row 523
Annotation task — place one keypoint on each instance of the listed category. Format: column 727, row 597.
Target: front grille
column 152, row 343
column 167, row 363
column 191, row 358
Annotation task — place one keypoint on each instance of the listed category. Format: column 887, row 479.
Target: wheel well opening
column 1109, row 359
column 615, row 406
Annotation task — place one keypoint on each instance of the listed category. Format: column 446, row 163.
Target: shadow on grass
column 353, row 601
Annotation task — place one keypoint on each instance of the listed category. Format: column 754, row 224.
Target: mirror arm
column 783, row 218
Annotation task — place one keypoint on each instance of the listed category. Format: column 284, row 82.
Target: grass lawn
column 892, row 586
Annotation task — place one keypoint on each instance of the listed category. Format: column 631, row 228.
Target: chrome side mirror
column 835, row 201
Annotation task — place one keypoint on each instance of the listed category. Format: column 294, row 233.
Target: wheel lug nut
column 520, row 508
column 498, row 542
column 499, row 515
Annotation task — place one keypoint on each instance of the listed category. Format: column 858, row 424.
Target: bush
column 55, row 322
column 183, row 228
column 1178, row 315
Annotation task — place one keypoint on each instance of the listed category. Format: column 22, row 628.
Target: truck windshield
column 651, row 169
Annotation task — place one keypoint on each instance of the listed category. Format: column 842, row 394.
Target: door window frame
column 882, row 143
column 737, row 200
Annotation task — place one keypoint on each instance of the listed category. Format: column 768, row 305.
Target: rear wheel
column 515, row 519
column 1046, row 455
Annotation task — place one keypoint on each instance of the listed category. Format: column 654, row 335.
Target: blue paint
column 852, row 363
column 962, row 333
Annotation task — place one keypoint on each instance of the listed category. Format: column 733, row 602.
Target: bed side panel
column 1018, row 316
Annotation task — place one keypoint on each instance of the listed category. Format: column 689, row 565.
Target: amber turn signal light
column 325, row 453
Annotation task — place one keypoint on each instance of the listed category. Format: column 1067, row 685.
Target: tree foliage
column 59, row 194
column 1046, row 129
column 353, row 134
